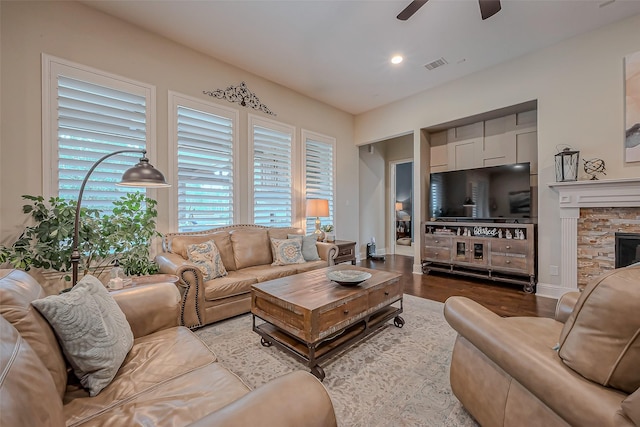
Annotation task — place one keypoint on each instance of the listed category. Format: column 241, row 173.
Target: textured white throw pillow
column 93, row 331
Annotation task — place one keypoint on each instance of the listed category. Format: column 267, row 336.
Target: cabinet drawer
column 437, row 241
column 437, row 254
column 343, row 314
column 509, row 262
column 508, row 246
column 384, row 294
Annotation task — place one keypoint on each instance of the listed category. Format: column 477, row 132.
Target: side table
column 346, row 251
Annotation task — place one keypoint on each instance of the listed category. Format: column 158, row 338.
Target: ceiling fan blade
column 488, row 8
column 411, row 9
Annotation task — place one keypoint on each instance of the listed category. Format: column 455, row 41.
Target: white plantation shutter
column 319, row 177
column 205, row 170
column 92, row 115
column 272, row 176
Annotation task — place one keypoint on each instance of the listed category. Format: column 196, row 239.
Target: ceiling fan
column 488, row 8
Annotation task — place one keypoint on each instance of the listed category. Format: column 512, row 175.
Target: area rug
column 395, row 377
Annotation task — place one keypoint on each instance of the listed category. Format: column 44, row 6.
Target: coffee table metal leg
column 318, row 372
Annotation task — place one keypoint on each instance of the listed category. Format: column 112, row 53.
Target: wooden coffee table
column 313, row 318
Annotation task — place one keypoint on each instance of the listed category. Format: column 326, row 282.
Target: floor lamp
column 142, row 174
column 318, row 208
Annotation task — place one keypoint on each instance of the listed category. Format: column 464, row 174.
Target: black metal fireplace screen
column 627, row 249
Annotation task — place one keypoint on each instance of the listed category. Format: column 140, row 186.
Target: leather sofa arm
column 149, row 308
column 191, row 286
column 327, row 251
column 565, row 305
column 513, row 350
column 293, row 400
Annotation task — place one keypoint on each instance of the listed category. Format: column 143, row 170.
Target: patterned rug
column 395, row 377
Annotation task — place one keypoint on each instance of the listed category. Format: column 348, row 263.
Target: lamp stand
column 319, row 233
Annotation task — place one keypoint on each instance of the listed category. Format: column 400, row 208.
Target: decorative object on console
column 567, row 165
column 318, row 208
column 143, row 174
column 241, row 95
column 330, row 236
column 632, row 110
column 593, row 167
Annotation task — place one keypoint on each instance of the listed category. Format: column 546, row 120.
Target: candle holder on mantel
column 567, row 165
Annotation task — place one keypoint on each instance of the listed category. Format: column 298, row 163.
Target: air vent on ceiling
column 435, row 64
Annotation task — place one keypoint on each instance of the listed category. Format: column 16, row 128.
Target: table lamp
column 318, row 208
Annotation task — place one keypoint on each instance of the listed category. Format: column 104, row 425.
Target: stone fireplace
column 591, row 212
column 602, row 234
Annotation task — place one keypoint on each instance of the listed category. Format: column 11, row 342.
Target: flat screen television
column 489, row 193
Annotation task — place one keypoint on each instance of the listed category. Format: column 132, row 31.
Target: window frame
column 307, row 135
column 254, row 120
column 52, row 67
column 175, row 100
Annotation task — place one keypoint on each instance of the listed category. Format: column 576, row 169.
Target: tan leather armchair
column 169, row 378
column 521, row 370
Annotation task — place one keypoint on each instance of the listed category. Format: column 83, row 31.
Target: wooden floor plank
column 502, row 299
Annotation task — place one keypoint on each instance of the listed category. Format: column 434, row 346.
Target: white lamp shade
column 317, row 207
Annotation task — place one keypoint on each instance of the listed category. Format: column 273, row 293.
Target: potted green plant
column 328, row 232
column 125, row 234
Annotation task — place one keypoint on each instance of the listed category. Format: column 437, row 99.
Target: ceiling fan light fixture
column 396, row 59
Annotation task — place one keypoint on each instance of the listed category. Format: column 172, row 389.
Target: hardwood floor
column 502, row 299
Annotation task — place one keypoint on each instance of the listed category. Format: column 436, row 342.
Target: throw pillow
column 309, row 248
column 207, row 257
column 286, row 251
column 93, row 331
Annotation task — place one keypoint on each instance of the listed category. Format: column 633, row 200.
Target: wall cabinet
column 495, row 251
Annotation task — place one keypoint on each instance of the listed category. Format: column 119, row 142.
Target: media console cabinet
column 503, row 252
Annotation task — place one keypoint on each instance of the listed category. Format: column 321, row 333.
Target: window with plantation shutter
column 205, row 164
column 319, row 167
column 272, row 146
column 91, row 114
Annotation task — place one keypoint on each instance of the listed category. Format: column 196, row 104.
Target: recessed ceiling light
column 396, row 59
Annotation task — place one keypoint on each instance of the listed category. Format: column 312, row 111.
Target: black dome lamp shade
column 143, row 175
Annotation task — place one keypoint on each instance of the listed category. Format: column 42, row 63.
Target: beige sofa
column 169, row 377
column 246, row 254
column 580, row 369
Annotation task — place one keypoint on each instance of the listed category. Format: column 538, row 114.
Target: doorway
column 401, row 198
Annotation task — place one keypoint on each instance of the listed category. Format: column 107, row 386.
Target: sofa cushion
column 309, row 247
column 222, row 240
column 207, row 257
column 17, row 290
column 284, row 232
column 235, row 283
column 93, row 331
column 286, row 251
column 601, row 338
column 162, row 371
column 28, row 395
column 269, row 272
column 250, row 247
column 310, row 265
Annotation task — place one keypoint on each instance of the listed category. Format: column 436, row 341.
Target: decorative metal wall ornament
column 593, row 167
column 242, row 95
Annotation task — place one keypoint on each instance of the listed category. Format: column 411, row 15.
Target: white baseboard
column 551, row 291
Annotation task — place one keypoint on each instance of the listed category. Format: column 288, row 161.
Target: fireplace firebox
column 627, row 249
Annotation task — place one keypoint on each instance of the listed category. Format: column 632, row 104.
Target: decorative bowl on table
column 348, row 277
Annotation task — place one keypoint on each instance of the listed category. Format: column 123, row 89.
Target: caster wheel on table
column 318, row 372
column 398, row 321
column 265, row 343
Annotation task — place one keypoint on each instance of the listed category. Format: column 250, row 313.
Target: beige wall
column 78, row 33
column 580, row 91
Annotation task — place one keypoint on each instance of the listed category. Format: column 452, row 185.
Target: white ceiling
column 338, row 51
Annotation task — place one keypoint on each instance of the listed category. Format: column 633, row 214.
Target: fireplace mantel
column 574, row 195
